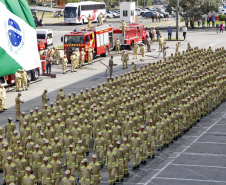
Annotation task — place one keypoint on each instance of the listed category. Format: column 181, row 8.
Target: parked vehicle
column 78, row 12
column 99, row 38
column 109, row 15
column 45, row 36
column 148, row 15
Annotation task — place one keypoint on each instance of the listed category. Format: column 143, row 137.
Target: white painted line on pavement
column 197, row 180
column 201, row 166
column 221, row 133
column 211, row 143
column 179, row 154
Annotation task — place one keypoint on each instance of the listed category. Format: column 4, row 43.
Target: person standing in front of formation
column 124, row 59
column 123, row 25
column 135, row 51
column 73, row 62
column 77, row 56
column 148, row 42
column 57, row 54
column 184, row 29
column 161, row 40
column 158, row 34
column 217, row 27
column 17, row 106
column 142, row 51
column 90, row 55
column 49, row 63
column 117, row 45
column 150, row 34
column 44, row 98
column 169, row 30
column 221, row 28
column 111, row 64
column 154, row 33
column 64, row 64
column 18, row 80
column 24, row 79
column 2, row 97
column 82, row 57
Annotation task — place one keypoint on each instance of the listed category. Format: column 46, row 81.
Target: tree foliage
column 195, row 8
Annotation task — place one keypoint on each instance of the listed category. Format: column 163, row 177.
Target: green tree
column 195, row 8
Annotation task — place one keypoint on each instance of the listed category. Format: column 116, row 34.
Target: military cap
column 9, row 158
column 36, row 108
column 80, row 141
column 75, row 123
column 44, row 105
column 55, row 155
column 86, row 121
column 118, row 142
column 28, row 169
column 102, row 112
column 31, row 110
column 56, row 138
column 1, row 137
column 48, row 125
column 6, row 144
column 127, row 116
column 20, row 153
column 67, row 132
column 116, row 121
column 94, row 156
column 45, row 159
column 15, row 132
column 36, row 146
column 35, row 119
column 42, row 134
column 46, row 141
column 29, row 137
column 22, row 113
column 25, row 123
column 10, row 118
column 70, row 146
column 135, row 132
column 84, row 160
column 124, row 139
column 106, row 125
column 142, row 126
column 18, row 141
column 67, row 172
column 110, row 146
column 78, row 111
column 49, row 113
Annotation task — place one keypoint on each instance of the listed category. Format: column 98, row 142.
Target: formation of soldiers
column 134, row 114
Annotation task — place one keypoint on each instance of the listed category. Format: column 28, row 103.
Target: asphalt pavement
column 199, row 157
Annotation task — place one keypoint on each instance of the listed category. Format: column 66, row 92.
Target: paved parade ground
column 197, row 158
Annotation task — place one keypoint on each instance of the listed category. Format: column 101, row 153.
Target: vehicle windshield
column 79, row 39
column 70, row 12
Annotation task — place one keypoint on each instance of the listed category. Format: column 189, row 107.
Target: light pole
column 177, row 19
column 137, row 11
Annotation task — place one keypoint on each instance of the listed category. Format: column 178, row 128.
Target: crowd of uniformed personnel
column 125, row 116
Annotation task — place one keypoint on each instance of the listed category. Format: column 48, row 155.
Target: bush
column 221, row 17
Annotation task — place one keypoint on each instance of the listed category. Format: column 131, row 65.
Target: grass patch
column 60, row 47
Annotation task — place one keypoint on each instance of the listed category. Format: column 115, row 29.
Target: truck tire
column 106, row 52
column 28, row 76
column 82, row 22
column 34, row 74
column 131, row 45
column 1, row 81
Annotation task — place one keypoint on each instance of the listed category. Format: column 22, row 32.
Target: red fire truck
column 134, row 33
column 99, row 38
